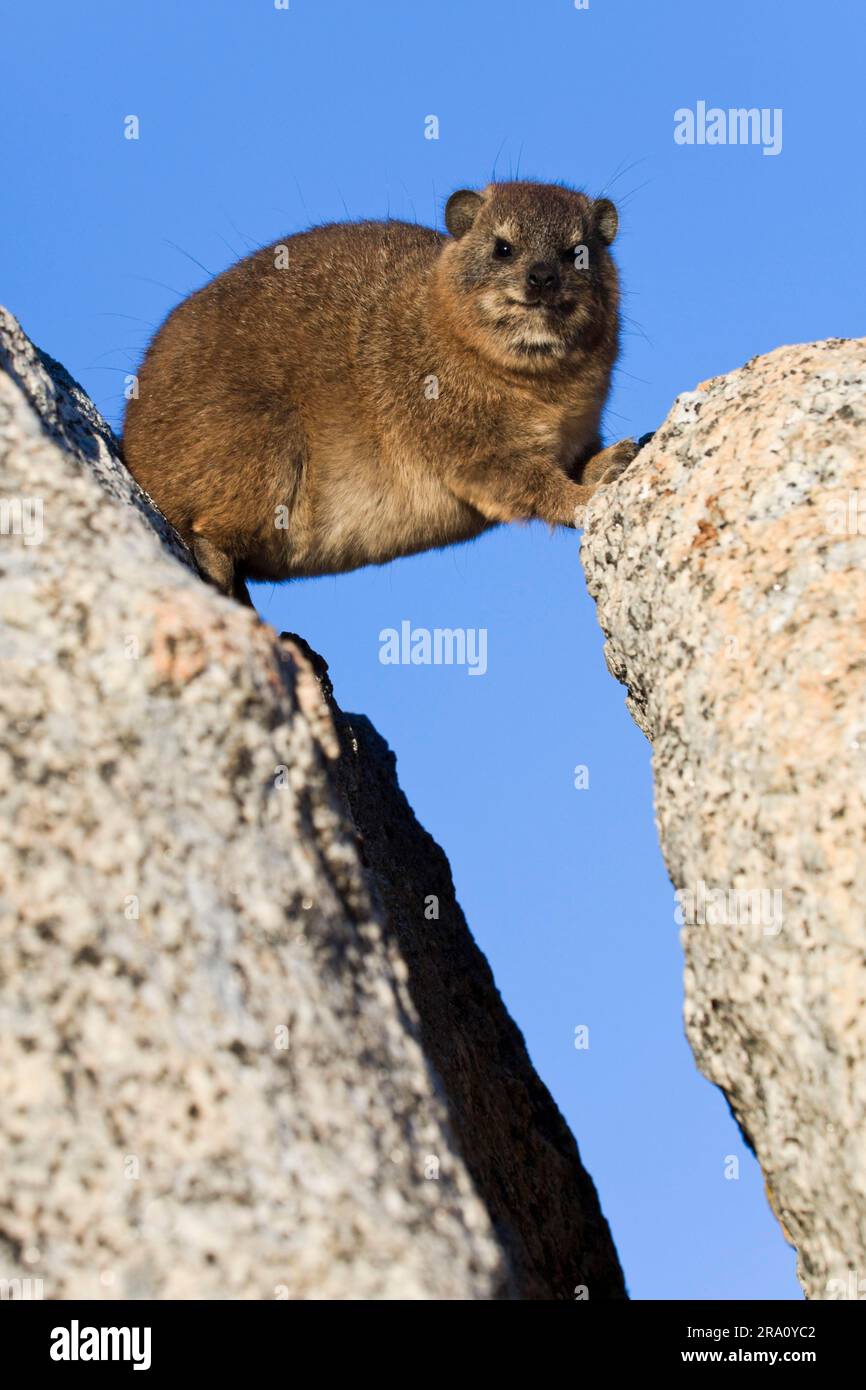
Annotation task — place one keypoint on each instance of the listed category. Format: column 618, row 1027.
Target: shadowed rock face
column 233, row 1050
column 504, row 1121
column 730, row 578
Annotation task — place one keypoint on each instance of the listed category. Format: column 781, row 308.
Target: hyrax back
column 367, row 390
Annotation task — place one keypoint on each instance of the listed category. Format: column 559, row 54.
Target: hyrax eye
column 502, row 249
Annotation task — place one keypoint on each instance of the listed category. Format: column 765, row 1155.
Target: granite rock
column 728, row 566
column 236, row 1061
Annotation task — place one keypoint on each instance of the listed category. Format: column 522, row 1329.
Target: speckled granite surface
column 729, row 571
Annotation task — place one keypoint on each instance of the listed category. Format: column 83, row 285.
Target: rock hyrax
column 371, row 389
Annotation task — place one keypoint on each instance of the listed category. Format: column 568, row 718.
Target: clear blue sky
column 255, row 122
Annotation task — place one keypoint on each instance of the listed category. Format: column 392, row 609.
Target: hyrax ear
column 605, row 219
column 461, row 211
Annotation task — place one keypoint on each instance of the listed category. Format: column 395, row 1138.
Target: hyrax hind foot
column 607, row 465
column 219, row 569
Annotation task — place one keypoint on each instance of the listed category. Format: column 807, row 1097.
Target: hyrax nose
column 543, row 276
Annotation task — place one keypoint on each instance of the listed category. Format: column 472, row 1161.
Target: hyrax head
column 529, row 271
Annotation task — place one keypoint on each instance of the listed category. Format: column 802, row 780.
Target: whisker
column 128, row 275
column 621, row 173
column 190, row 257
column 111, row 314
column 496, row 159
column 236, row 229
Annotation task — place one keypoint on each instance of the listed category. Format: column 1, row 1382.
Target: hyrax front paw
column 607, row 465
column 620, row 456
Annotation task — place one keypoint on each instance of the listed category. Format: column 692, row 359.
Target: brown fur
column 288, row 422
